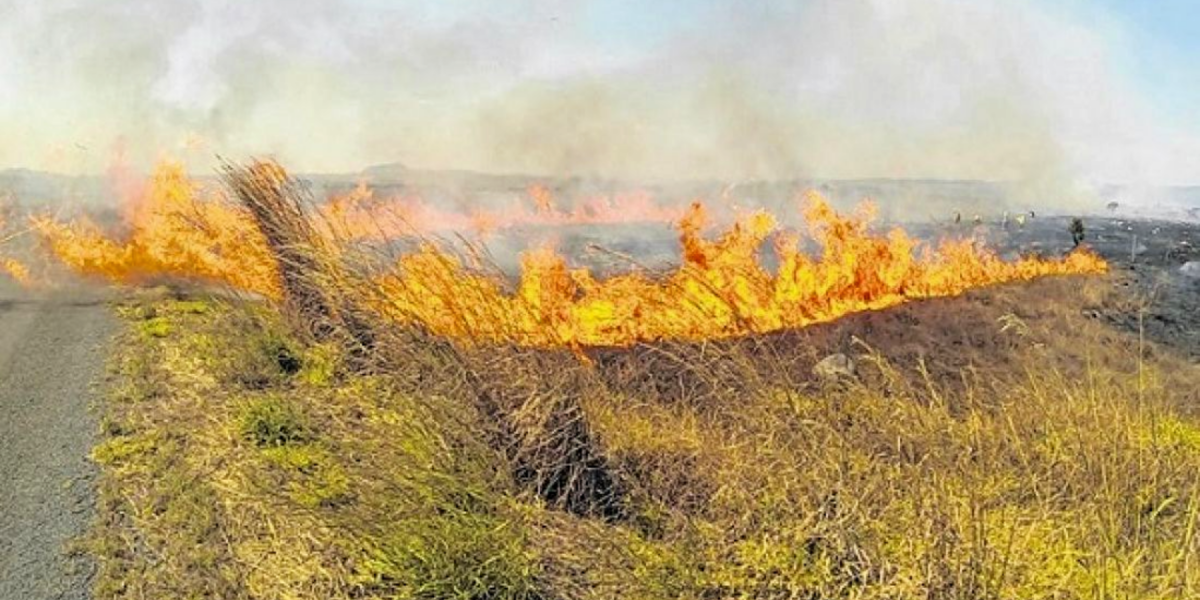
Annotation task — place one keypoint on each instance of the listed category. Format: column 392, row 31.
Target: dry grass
column 998, row 445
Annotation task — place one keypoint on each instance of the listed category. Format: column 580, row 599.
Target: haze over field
column 1046, row 94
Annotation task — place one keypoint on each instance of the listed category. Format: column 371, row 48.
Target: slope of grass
column 1010, row 448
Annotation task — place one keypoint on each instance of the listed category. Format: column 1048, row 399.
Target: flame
column 542, row 197
column 361, row 214
column 720, row 289
column 9, row 266
column 17, row 271
column 174, row 232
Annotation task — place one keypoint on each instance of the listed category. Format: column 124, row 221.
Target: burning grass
column 15, row 269
column 720, row 290
column 174, row 232
column 345, row 441
column 271, row 244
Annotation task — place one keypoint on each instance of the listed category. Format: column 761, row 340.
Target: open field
column 1025, row 440
column 535, row 300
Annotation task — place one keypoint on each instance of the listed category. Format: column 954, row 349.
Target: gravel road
column 52, row 350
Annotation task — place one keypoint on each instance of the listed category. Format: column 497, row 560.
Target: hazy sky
column 1036, row 91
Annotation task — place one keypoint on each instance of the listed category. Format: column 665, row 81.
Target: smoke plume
column 1011, row 90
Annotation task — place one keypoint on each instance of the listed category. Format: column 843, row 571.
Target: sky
column 1048, row 93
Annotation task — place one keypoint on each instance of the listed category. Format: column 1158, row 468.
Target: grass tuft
column 156, row 327
column 273, row 421
column 455, row 555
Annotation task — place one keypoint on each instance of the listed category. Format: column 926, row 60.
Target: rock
column 834, row 367
column 1191, row 269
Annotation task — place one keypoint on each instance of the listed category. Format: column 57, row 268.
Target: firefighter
column 1076, row 229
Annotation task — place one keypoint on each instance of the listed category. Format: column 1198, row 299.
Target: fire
column 175, row 232
column 13, row 268
column 542, row 197
column 17, row 271
column 361, row 214
column 720, row 288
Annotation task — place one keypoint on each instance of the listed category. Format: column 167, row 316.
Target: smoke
column 1012, row 90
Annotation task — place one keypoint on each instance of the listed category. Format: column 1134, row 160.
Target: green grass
column 455, row 555
column 156, row 327
column 273, row 421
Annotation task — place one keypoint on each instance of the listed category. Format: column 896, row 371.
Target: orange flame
column 17, row 271
column 542, row 197
column 174, row 234
column 360, row 214
column 720, row 289
column 9, row 266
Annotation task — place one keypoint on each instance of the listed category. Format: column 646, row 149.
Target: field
column 292, row 436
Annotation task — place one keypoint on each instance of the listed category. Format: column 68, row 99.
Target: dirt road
column 51, row 352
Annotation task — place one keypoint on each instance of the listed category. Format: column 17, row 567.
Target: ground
column 52, row 349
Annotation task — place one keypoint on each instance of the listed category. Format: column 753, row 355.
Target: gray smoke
column 1003, row 90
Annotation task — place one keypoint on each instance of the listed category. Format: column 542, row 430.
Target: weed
column 273, row 421
column 155, row 327
column 315, row 478
column 117, row 450
column 454, row 555
column 190, row 307
column 320, row 364
column 256, row 353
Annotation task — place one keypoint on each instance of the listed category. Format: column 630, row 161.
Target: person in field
column 1077, row 232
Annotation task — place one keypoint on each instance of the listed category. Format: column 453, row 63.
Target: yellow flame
column 174, row 233
column 17, row 271
column 719, row 290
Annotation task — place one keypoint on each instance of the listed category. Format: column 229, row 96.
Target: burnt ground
column 1172, row 313
column 51, row 352
column 1146, row 257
